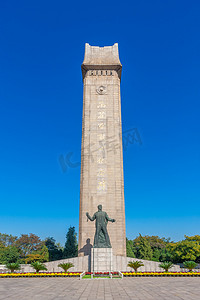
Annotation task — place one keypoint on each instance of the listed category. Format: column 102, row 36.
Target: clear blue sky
column 41, row 51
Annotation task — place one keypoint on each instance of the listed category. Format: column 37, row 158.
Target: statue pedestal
column 101, row 260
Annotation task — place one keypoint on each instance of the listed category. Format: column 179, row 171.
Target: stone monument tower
column 102, row 179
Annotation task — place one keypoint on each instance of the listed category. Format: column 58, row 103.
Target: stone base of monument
column 101, row 260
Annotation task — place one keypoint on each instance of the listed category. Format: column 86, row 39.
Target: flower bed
column 161, row 274
column 42, row 274
column 100, row 274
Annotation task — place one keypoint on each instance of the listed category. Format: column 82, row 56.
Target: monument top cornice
column 104, row 58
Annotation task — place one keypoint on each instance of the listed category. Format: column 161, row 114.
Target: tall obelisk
column 102, row 179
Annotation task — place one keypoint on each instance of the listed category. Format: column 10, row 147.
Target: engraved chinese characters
column 101, row 135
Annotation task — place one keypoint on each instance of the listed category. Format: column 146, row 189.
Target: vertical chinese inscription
column 101, row 141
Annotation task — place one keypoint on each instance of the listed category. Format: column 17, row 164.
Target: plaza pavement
column 73, row 288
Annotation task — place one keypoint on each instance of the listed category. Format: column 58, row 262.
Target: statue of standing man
column 101, row 238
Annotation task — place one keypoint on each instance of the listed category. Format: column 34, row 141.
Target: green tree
column 44, row 253
column 165, row 255
column 32, row 258
column 156, row 254
column 13, row 266
column 41, row 255
column 9, row 254
column 55, row 250
column 28, row 244
column 38, row 266
column 166, row 265
column 135, row 264
column 71, row 246
column 157, row 244
column 194, row 238
column 184, row 250
column 190, row 265
column 7, row 239
column 66, row 266
column 129, row 248
column 143, row 248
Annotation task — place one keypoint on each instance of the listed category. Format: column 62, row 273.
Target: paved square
column 73, row 288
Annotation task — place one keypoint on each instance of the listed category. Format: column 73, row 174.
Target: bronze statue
column 101, row 238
